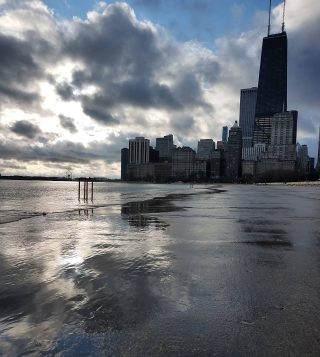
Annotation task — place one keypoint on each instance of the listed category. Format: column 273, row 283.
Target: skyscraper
column 224, row 134
column 284, row 136
column 124, row 163
column 302, row 158
column 139, row 150
column 234, row 153
column 284, row 128
column 272, row 86
column 248, row 99
column 165, row 147
column 205, row 149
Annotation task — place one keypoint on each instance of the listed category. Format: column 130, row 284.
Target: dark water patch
column 260, row 208
column 164, row 203
column 257, row 222
column 136, row 213
column 268, row 243
column 214, row 191
column 155, row 205
column 264, row 230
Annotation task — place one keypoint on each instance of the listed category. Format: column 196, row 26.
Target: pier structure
column 86, row 182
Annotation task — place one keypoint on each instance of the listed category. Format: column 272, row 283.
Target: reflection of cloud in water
column 91, row 271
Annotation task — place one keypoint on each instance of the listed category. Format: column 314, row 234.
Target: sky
column 79, row 78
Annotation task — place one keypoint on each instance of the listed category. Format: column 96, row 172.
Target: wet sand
column 227, row 271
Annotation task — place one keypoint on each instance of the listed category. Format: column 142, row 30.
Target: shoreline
column 292, row 184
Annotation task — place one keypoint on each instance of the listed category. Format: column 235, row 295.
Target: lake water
column 159, row 270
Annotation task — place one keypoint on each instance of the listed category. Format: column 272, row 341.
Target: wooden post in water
column 92, row 190
column 87, row 190
column 86, row 182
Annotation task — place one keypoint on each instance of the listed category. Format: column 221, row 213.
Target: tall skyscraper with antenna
column 272, row 85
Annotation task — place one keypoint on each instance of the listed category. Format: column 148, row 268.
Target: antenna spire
column 284, row 11
column 269, row 18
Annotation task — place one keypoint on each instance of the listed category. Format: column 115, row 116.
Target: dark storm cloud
column 17, row 70
column 148, row 95
column 114, row 42
column 96, row 107
column 304, row 68
column 137, row 93
column 188, row 90
column 26, row 129
column 65, row 151
column 126, row 61
column 183, row 124
column 68, row 123
column 65, row 91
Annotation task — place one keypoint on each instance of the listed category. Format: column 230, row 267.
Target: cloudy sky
column 77, row 81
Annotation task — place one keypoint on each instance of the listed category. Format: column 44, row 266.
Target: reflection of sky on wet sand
column 91, row 268
column 202, row 273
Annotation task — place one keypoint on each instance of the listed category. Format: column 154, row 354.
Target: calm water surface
column 159, row 270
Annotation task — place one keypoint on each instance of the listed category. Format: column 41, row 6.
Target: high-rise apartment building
column 224, row 134
column 248, row 99
column 165, row 147
column 272, row 86
column 302, row 158
column 124, row 163
column 205, row 149
column 254, row 152
column 153, row 155
column 284, row 128
column 139, row 150
column 284, row 136
column 234, row 153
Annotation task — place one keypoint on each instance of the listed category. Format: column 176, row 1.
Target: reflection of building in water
column 134, row 213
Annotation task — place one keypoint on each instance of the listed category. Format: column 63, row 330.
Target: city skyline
column 74, row 111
